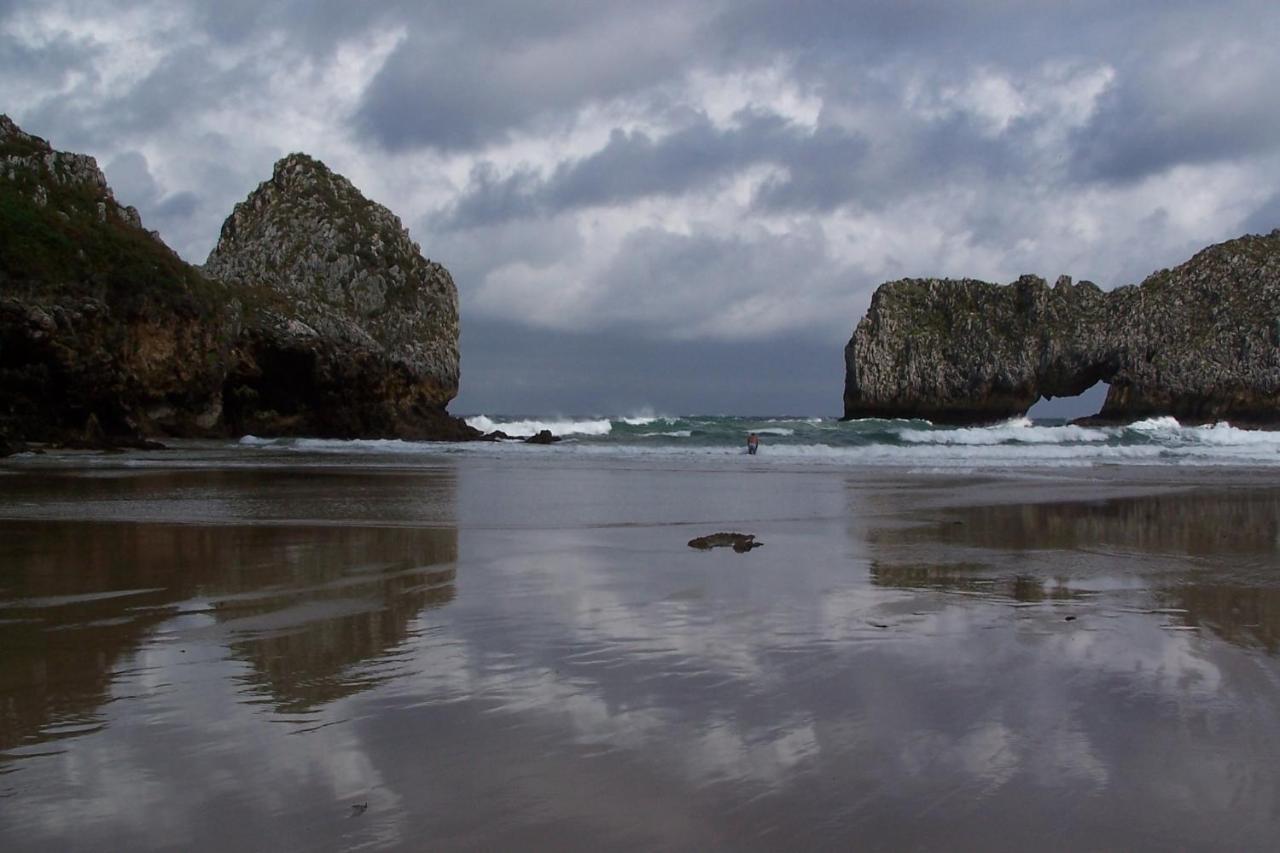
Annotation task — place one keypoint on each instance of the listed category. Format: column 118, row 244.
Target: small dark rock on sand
column 740, row 542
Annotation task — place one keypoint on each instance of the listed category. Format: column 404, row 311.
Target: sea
column 916, row 444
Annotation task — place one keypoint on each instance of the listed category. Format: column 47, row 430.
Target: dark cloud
column 958, row 137
column 1146, row 127
column 52, row 64
column 490, row 198
column 131, row 181
column 823, row 169
column 180, row 205
column 825, row 36
column 1265, row 219
column 613, row 373
column 454, row 83
column 676, row 277
column 130, row 178
column 634, row 165
column 318, row 24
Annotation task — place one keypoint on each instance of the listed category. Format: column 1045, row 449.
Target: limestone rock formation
column 103, row 329
column 1200, row 342
column 351, row 331
column 329, row 321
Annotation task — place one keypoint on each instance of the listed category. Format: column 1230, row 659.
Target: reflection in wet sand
column 544, row 663
column 1191, row 523
column 968, row 577
column 1209, row 557
column 308, row 607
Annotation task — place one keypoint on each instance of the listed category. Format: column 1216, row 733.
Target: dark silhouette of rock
column 98, row 318
column 329, row 321
column 543, row 437
column 95, row 438
column 1200, row 342
column 740, row 542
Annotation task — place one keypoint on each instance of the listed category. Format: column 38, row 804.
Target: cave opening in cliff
column 1089, row 402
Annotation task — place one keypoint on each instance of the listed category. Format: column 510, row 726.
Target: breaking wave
column 812, row 440
column 527, row 427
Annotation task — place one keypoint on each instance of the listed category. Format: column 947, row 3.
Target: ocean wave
column 644, row 417
column 1163, row 424
column 1015, row 443
column 1017, row 431
column 1225, row 435
column 562, row 427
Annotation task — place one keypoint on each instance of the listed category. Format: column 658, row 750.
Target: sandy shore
column 208, row 652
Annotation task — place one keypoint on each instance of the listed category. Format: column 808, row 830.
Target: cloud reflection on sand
column 876, row 666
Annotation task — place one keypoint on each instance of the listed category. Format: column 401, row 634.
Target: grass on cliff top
column 23, row 146
column 47, row 255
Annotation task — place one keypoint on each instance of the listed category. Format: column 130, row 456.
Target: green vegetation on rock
column 1200, row 342
column 328, row 322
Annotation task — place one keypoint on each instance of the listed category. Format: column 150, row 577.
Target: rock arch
column 1200, row 342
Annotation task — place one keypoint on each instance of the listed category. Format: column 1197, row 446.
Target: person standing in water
column 753, row 443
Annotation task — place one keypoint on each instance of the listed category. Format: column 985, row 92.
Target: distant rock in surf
column 542, row 437
column 1200, row 343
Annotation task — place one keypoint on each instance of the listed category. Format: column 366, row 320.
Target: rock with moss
column 329, row 321
column 99, row 320
column 1200, row 342
column 352, row 331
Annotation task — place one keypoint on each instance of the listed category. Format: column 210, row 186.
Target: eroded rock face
column 1200, row 342
column 99, row 321
column 329, row 321
column 352, row 332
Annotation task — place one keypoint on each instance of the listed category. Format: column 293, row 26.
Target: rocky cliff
column 351, row 331
column 1200, row 342
column 103, row 330
column 316, row 315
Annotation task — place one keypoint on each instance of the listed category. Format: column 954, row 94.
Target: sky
column 683, row 207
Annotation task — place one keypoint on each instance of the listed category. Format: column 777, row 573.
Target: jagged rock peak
column 348, row 270
column 30, row 163
column 104, row 332
column 1200, row 342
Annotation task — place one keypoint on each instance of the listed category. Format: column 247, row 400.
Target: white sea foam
column 1009, row 445
column 775, row 431
column 562, row 427
column 1163, row 424
column 1017, row 431
column 644, row 417
column 1225, row 435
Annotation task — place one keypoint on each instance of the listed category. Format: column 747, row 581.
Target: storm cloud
column 611, row 182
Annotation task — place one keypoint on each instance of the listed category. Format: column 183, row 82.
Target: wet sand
column 201, row 653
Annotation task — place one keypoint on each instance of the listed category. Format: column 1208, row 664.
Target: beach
column 292, row 647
